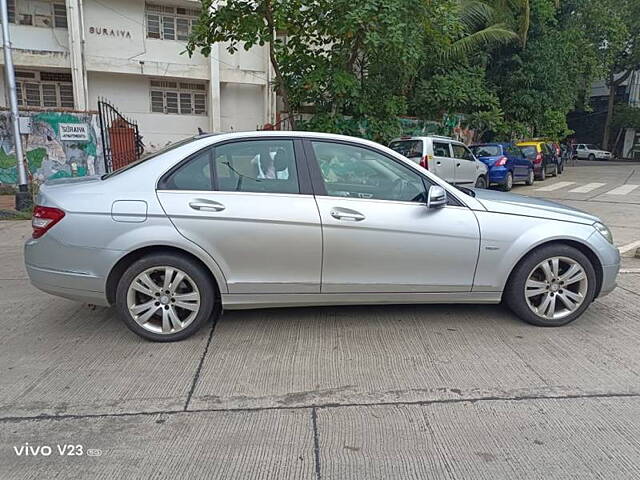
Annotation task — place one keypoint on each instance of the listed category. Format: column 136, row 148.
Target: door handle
column 457, row 164
column 346, row 214
column 207, row 206
column 438, row 163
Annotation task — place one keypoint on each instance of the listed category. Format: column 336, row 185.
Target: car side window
column 356, row 172
column 441, row 149
column 194, row 174
column 461, row 152
column 262, row 166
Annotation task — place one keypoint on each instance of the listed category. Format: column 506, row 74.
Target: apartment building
column 70, row 53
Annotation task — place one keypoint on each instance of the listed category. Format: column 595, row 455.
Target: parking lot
column 434, row 391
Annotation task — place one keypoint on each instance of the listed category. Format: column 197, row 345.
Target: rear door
column 465, row 165
column 249, row 204
column 443, row 163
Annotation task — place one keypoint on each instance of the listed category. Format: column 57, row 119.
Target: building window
column 178, row 97
column 44, row 89
column 169, row 23
column 38, row 13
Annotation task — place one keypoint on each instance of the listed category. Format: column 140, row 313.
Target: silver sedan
column 277, row 219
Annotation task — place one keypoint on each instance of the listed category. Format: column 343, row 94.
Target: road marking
column 622, row 190
column 555, row 186
column 587, row 188
column 629, row 270
column 628, row 247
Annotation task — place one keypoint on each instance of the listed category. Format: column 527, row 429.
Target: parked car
column 544, row 159
column 278, row 219
column 506, row 163
column 447, row 158
column 588, row 151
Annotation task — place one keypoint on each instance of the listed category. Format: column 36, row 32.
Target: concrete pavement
column 324, row 393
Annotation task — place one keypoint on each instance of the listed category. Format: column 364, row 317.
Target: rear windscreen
column 529, row 151
column 408, row 148
column 486, row 150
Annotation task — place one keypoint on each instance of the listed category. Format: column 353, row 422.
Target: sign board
column 74, row 131
column 25, row 125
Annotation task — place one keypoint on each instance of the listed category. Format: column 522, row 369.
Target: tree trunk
column 613, row 86
column 610, row 104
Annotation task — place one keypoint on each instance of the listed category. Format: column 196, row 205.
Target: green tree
column 613, row 27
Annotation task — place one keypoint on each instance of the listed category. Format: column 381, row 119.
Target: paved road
column 331, row 393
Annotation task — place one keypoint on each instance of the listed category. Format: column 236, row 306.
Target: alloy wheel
column 556, row 287
column 163, row 300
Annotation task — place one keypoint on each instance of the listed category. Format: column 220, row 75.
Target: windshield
column 486, row 150
column 408, row 148
column 150, row 156
column 529, row 151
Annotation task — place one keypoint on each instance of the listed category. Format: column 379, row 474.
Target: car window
column 529, row 151
column 195, row 174
column 486, row 150
column 408, row 148
column 441, row 149
column 591, row 146
column 356, row 172
column 263, row 166
column 461, row 152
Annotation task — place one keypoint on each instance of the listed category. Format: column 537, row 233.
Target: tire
column 531, row 178
column 516, row 299
column 481, row 182
column 554, row 173
column 591, row 157
column 543, row 174
column 185, row 313
column 560, row 168
column 508, row 182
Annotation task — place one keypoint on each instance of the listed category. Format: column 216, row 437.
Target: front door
column 378, row 235
column 245, row 203
column 465, row 165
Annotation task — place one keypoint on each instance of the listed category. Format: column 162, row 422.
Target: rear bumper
column 498, row 174
column 64, row 284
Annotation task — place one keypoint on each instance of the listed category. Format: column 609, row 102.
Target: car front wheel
column 165, row 297
column 552, row 286
column 530, row 178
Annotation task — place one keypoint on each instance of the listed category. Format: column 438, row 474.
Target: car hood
column 512, row 204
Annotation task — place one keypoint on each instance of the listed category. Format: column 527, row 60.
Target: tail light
column 501, row 162
column 424, row 162
column 538, row 158
column 43, row 219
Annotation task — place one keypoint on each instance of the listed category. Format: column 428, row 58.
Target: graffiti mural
column 49, row 155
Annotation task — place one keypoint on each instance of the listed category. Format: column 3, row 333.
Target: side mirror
column 437, row 197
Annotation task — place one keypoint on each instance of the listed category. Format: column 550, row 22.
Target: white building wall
column 120, row 64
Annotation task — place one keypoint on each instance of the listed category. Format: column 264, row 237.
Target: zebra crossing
column 575, row 187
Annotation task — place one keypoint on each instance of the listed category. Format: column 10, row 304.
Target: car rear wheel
column 165, row 297
column 481, row 182
column 554, row 170
column 530, row 178
column 543, row 173
column 552, row 286
column 508, row 182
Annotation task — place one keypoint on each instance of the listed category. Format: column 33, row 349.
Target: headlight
column 604, row 231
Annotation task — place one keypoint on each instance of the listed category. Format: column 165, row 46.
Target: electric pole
column 23, row 197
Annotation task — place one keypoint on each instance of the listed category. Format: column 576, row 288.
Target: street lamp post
column 23, row 197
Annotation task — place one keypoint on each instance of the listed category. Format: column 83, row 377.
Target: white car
column 445, row 157
column 588, row 151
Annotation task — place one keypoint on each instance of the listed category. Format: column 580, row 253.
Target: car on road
column 544, row 159
column 447, row 158
column 283, row 219
column 557, row 151
column 506, row 163
column 588, row 151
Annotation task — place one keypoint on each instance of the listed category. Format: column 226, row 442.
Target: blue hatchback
column 506, row 163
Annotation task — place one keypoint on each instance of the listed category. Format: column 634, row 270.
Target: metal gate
column 121, row 140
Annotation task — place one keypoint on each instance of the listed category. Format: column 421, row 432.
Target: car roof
column 491, row 144
column 529, row 144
